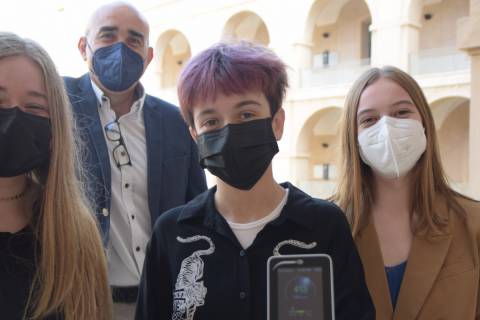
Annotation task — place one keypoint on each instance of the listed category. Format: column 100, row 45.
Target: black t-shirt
column 17, row 269
column 195, row 268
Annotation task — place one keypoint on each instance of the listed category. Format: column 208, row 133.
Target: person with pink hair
column 208, row 259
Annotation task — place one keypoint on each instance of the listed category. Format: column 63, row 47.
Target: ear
column 193, row 133
column 82, row 47
column 149, row 57
column 278, row 123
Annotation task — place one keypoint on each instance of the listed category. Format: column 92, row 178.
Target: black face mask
column 239, row 154
column 24, row 142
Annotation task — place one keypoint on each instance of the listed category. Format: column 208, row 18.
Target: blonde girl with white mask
column 419, row 240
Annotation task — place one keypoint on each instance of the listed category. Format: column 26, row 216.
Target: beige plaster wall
column 440, row 30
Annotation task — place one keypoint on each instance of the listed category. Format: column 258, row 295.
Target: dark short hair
column 232, row 68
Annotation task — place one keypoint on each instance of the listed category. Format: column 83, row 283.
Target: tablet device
column 300, row 287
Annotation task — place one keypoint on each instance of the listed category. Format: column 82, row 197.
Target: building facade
column 327, row 44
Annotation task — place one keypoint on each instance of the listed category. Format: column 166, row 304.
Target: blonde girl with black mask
column 52, row 264
column 418, row 238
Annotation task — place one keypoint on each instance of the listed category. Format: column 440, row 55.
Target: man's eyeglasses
column 120, row 153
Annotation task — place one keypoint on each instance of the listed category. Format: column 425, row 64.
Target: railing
column 341, row 73
column 438, row 60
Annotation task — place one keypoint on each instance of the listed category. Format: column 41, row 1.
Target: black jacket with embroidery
column 209, row 276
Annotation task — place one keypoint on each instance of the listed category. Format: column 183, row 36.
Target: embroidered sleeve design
column 295, row 243
column 189, row 290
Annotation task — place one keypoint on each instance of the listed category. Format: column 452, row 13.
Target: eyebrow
column 31, row 93
column 37, row 94
column 395, row 104
column 400, row 102
column 236, row 106
column 107, row 29
column 131, row 32
column 246, row 102
column 206, row 112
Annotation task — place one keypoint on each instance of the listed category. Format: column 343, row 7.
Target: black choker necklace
column 17, row 196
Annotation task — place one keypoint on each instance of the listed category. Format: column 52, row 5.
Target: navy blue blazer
column 173, row 170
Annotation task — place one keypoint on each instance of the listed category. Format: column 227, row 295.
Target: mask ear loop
column 93, row 54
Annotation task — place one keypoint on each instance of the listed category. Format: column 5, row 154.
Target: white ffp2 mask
column 392, row 146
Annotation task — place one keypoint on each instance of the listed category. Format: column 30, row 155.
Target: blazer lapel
column 371, row 255
column 424, row 263
column 154, row 138
column 88, row 104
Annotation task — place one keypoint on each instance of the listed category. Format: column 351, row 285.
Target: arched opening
column 340, row 38
column 318, row 146
column 172, row 51
column 246, row 26
column 451, row 117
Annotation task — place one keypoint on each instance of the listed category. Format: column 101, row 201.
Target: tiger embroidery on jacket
column 295, row 243
column 189, row 290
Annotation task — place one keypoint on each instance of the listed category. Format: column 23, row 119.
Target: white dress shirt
column 247, row 232
column 130, row 224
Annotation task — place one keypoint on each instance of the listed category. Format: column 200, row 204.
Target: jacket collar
column 426, row 257
column 201, row 210
column 137, row 106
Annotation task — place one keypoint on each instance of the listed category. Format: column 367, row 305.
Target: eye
column 367, row 121
column 403, row 113
column 136, row 42
column 36, row 109
column 209, row 123
column 246, row 115
column 108, row 36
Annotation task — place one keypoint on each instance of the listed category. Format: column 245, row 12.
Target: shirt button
column 242, row 253
column 127, row 185
column 137, row 249
column 133, row 217
column 243, row 295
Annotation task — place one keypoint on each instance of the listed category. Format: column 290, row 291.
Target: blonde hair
column 71, row 276
column 355, row 193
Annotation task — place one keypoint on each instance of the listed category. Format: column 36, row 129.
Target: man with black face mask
column 139, row 157
column 207, row 259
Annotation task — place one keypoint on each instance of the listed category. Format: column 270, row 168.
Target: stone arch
column 317, row 147
column 451, row 116
column 246, row 26
column 172, row 50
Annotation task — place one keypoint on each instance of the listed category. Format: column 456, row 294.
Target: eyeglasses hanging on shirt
column 120, row 152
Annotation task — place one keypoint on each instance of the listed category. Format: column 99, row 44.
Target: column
column 468, row 36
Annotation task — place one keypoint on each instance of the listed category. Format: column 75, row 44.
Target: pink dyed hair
column 232, row 69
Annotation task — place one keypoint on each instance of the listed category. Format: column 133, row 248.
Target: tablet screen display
column 300, row 293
